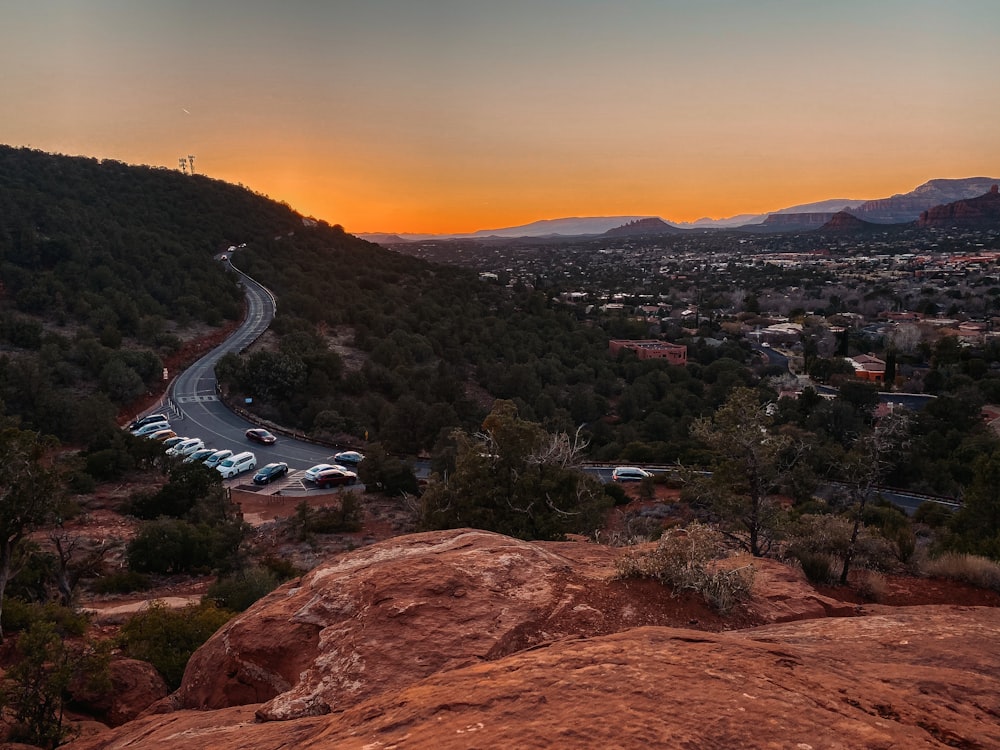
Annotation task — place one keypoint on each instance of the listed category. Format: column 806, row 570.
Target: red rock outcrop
column 983, row 211
column 135, row 686
column 912, row 678
column 843, row 221
column 392, row 613
column 385, row 616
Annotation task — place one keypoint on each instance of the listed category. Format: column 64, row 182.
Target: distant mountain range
column 897, row 209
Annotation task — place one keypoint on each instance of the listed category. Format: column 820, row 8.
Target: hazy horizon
column 454, row 117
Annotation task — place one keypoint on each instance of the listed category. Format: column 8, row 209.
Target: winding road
column 198, row 412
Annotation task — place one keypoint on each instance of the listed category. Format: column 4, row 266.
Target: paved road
column 201, row 414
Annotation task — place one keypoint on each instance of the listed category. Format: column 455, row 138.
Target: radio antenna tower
column 182, row 165
column 191, row 162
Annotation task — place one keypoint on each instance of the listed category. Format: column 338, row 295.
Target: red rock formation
column 387, row 615
column 925, row 677
column 797, row 220
column 843, row 221
column 651, row 225
column 908, row 206
column 135, row 685
column 469, row 639
column 983, row 211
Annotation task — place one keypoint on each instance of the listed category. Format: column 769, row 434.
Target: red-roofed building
column 675, row 354
column 868, row 367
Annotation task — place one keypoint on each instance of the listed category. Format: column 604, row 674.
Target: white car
column 150, row 427
column 311, row 472
column 629, row 474
column 230, row 467
column 214, row 460
column 186, row 447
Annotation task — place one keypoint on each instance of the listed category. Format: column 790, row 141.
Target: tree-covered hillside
column 104, row 267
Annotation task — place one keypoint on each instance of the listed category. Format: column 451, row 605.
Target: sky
column 447, row 116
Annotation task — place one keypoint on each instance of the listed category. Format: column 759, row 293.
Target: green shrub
column 170, row 546
column 331, row 519
column 122, row 582
column 19, row 615
column 617, row 493
column 238, row 591
column 81, row 483
column 166, row 638
column 933, row 514
column 282, row 568
column 821, row 541
column 109, row 464
column 819, row 567
column 38, row 684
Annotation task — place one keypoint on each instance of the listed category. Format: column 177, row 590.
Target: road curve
column 197, row 410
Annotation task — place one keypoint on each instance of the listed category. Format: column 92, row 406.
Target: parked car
column 162, row 435
column 213, row 460
column 269, row 472
column 170, row 442
column 348, row 457
column 312, row 471
column 629, row 474
column 334, row 477
column 186, row 447
column 230, row 467
column 258, row 435
column 199, row 455
column 143, row 421
column 150, row 427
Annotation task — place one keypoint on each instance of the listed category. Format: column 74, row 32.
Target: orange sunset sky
column 457, row 115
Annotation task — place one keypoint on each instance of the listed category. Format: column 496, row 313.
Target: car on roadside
column 312, row 471
column 335, row 476
column 629, row 474
column 162, row 435
column 170, row 442
column 236, row 464
column 260, row 435
column 150, row 427
column 352, row 458
column 186, row 447
column 143, row 421
column 199, row 455
column 214, row 460
column 269, row 472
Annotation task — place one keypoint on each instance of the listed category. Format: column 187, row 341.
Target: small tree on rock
column 28, row 496
column 750, row 461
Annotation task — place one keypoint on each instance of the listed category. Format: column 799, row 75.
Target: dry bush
column 972, row 569
column 872, row 586
column 688, row 559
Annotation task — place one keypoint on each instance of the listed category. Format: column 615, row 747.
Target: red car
column 335, row 477
column 263, row 437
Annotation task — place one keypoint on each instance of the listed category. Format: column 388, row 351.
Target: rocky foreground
column 466, row 639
